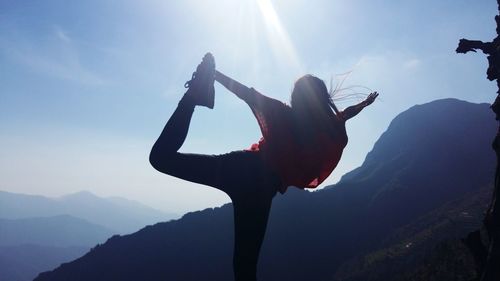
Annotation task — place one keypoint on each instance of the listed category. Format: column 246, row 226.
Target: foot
column 201, row 86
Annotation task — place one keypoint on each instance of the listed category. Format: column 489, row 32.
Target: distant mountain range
column 117, row 214
column 427, row 178
column 39, row 233
column 58, row 231
column 24, row 262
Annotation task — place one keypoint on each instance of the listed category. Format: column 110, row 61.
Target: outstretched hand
column 371, row 98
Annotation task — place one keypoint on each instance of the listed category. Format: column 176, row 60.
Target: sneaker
column 201, row 86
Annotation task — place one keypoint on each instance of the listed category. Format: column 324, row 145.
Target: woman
column 300, row 146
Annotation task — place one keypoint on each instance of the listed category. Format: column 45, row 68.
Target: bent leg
column 200, row 92
column 164, row 157
column 174, row 133
column 197, row 168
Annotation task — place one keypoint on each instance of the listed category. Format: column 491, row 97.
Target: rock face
column 428, row 164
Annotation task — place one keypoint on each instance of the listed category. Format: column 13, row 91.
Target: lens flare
column 277, row 35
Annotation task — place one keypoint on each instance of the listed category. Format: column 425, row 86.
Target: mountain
column 24, row 262
column 39, row 233
column 58, row 231
column 118, row 214
column 422, row 170
column 404, row 254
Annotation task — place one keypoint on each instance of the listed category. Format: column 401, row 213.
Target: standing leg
column 250, row 223
column 251, row 187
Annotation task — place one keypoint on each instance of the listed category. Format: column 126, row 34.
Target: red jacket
column 296, row 164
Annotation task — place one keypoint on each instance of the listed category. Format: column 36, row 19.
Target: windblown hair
column 349, row 94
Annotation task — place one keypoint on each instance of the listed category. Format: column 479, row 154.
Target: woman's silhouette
column 301, row 145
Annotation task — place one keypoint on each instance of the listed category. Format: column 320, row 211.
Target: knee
column 153, row 160
column 162, row 162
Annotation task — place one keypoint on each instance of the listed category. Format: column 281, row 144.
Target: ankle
column 188, row 100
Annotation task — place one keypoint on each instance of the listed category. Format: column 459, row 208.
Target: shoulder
column 263, row 101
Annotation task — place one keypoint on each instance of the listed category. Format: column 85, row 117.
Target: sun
column 277, row 35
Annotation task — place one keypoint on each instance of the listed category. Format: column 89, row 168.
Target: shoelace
column 188, row 83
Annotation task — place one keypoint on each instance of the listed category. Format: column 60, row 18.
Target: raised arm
column 240, row 90
column 352, row 111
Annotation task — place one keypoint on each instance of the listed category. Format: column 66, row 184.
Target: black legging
column 240, row 174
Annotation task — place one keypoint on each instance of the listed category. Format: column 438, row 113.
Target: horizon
column 87, row 87
column 179, row 215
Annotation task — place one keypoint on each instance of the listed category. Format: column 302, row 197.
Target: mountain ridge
column 57, row 231
column 120, row 215
column 25, row 262
column 422, row 162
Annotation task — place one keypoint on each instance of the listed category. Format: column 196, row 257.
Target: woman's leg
column 165, row 157
column 175, row 131
column 251, row 187
column 250, row 223
column 240, row 174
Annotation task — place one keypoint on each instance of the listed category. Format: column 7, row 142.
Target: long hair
column 310, row 92
column 312, row 105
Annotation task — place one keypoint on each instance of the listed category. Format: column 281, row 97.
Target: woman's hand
column 353, row 110
column 370, row 99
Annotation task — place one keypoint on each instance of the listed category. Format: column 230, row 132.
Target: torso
column 305, row 165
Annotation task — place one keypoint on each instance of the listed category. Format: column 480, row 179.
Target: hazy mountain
column 59, row 231
column 24, row 262
column 118, row 214
column 431, row 157
column 39, row 233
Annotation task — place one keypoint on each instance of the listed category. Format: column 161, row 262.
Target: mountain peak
column 120, row 215
column 83, row 194
column 434, row 127
column 429, row 156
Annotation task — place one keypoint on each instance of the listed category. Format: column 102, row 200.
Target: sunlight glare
column 278, row 36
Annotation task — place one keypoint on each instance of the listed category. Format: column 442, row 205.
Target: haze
column 86, row 87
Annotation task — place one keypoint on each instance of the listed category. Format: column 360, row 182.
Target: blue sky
column 86, row 86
